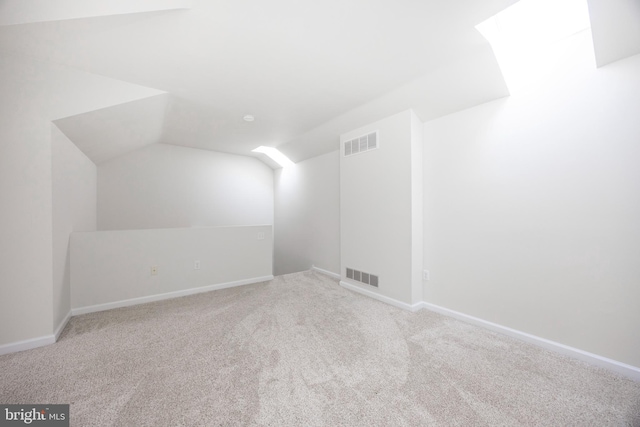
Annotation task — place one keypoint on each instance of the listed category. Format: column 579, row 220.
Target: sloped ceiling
column 615, row 25
column 111, row 132
column 307, row 71
column 14, row 12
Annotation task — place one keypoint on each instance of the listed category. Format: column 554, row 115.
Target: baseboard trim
column 628, row 371
column 51, row 339
column 61, row 326
column 326, row 272
column 385, row 299
column 168, row 295
column 15, row 347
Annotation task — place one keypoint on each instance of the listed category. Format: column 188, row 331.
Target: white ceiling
column 307, row 71
column 26, row 11
column 113, row 131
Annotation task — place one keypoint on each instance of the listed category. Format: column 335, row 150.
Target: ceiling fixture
column 275, row 155
column 249, row 118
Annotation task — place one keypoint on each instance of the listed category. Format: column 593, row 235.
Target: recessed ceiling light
column 249, row 118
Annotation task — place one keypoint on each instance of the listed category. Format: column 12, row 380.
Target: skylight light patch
column 275, row 155
column 525, row 34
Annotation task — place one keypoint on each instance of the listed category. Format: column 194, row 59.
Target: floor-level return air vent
column 360, row 276
column 361, row 144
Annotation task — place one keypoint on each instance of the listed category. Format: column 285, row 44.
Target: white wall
column 33, row 94
column 307, row 215
column 417, row 208
column 25, row 213
column 74, row 209
column 163, row 186
column 115, row 266
column 532, row 208
column 376, row 208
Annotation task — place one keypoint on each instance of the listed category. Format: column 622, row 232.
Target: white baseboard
column 624, row 369
column 61, row 326
column 379, row 297
column 326, row 272
column 35, row 342
column 628, row 371
column 50, row 339
column 168, row 295
column 27, row 344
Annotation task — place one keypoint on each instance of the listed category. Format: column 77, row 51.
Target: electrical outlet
column 261, row 235
column 425, row 275
column 196, row 265
column 154, row 270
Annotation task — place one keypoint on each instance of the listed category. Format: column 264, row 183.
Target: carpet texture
column 302, row 351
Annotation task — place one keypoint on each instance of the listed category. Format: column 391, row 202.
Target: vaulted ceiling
column 307, row 71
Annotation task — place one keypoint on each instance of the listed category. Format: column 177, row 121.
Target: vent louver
column 359, row 276
column 361, row 144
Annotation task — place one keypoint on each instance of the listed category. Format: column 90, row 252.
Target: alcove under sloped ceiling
column 335, row 67
column 113, row 131
column 308, row 73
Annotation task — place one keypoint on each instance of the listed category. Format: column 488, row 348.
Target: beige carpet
column 302, row 351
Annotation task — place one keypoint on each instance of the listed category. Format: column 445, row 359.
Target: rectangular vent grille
column 361, row 144
column 359, row 276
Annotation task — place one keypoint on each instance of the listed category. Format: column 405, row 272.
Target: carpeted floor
column 302, row 351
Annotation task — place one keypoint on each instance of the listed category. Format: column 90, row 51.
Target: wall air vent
column 359, row 276
column 361, row 144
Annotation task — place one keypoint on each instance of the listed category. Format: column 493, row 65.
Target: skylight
column 524, row 34
column 275, row 155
